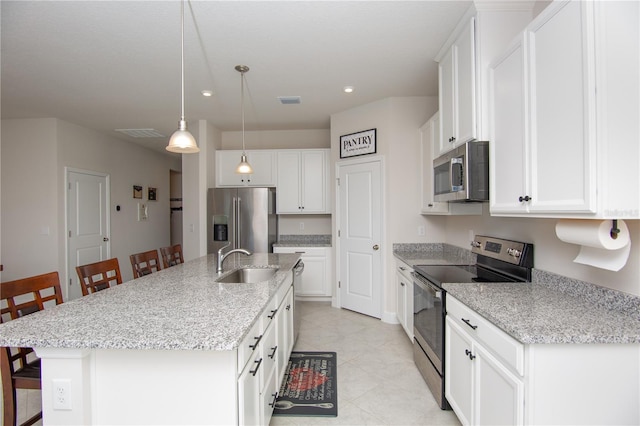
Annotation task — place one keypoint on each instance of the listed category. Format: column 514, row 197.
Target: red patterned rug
column 309, row 387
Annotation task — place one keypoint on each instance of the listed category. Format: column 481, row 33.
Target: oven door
column 428, row 319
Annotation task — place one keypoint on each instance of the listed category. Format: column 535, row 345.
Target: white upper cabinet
column 553, row 147
column 303, row 182
column 483, row 32
column 457, row 81
column 263, row 163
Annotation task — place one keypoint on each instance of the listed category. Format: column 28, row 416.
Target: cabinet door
column 289, row 181
column 262, row 162
column 562, row 111
column 264, row 168
column 429, row 134
column 466, row 85
column 499, row 398
column 401, row 300
column 249, row 392
column 509, row 139
column 285, row 334
column 226, row 163
column 314, row 277
column 446, row 77
column 314, row 182
column 459, row 381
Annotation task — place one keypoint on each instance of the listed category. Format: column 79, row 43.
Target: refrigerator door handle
column 238, row 224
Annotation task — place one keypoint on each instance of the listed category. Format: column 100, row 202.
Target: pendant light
column 181, row 140
column 244, row 167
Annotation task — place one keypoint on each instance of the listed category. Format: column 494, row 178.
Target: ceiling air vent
column 141, row 133
column 289, row 100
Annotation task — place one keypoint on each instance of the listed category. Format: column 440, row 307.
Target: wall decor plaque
column 359, row 143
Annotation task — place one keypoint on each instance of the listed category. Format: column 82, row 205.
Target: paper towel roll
column 592, row 233
column 597, row 247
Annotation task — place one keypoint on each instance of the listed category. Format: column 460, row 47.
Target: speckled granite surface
column 433, row 254
column 303, row 241
column 179, row 308
column 538, row 313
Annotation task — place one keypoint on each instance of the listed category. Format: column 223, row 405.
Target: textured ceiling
column 110, row 65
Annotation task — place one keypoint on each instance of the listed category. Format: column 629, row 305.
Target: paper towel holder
column 614, row 229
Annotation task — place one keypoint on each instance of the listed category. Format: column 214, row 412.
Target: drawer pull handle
column 466, row 321
column 255, row 345
column 275, row 396
column 254, row 372
column 273, row 314
column 274, row 349
column 469, row 354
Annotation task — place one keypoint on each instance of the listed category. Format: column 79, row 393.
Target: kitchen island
column 167, row 348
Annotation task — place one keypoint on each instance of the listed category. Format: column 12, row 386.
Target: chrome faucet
column 222, row 257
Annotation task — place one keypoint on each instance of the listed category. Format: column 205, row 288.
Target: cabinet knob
column 376, row 247
column 525, row 198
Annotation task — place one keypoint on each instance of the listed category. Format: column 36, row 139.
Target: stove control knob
column 476, row 244
column 514, row 252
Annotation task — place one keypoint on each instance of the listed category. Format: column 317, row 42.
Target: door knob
column 105, row 239
column 376, row 247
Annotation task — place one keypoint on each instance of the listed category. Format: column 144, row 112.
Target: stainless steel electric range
column 498, row 260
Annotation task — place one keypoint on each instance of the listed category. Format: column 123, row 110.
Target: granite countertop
column 551, row 309
column 178, row 308
column 304, row 241
column 536, row 313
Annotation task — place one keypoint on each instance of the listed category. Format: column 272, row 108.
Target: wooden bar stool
column 171, row 255
column 19, row 367
column 99, row 275
column 144, row 263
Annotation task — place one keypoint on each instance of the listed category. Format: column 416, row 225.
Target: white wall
column 30, row 215
column 396, row 121
column 34, row 155
column 277, row 139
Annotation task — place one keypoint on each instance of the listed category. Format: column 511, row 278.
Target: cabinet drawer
column 249, row 345
column 404, row 269
column 497, row 341
column 269, row 314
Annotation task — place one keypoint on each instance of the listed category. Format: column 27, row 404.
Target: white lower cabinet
column 480, row 389
column 404, row 297
column 317, row 269
column 262, row 358
column 492, row 379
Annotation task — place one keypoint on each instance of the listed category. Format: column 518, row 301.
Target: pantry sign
column 360, row 143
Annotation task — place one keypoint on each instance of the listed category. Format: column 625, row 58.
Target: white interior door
column 360, row 227
column 87, row 224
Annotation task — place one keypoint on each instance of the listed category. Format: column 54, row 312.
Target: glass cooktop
column 439, row 274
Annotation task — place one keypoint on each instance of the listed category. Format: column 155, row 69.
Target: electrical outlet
column 301, row 225
column 61, row 394
column 421, row 230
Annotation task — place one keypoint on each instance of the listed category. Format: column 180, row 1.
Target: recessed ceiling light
column 207, row 93
column 348, row 89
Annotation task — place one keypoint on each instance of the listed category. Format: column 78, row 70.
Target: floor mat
column 309, row 386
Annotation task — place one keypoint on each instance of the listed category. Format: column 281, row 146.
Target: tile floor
column 378, row 382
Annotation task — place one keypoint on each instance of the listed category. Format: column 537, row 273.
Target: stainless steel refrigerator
column 245, row 217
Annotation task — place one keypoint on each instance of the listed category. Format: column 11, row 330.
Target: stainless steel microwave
column 462, row 174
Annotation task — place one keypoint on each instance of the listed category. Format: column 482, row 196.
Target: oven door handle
column 427, row 286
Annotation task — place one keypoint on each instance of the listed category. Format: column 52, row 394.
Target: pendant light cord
column 242, row 106
column 182, row 50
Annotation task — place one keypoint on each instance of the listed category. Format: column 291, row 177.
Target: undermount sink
column 248, row 275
